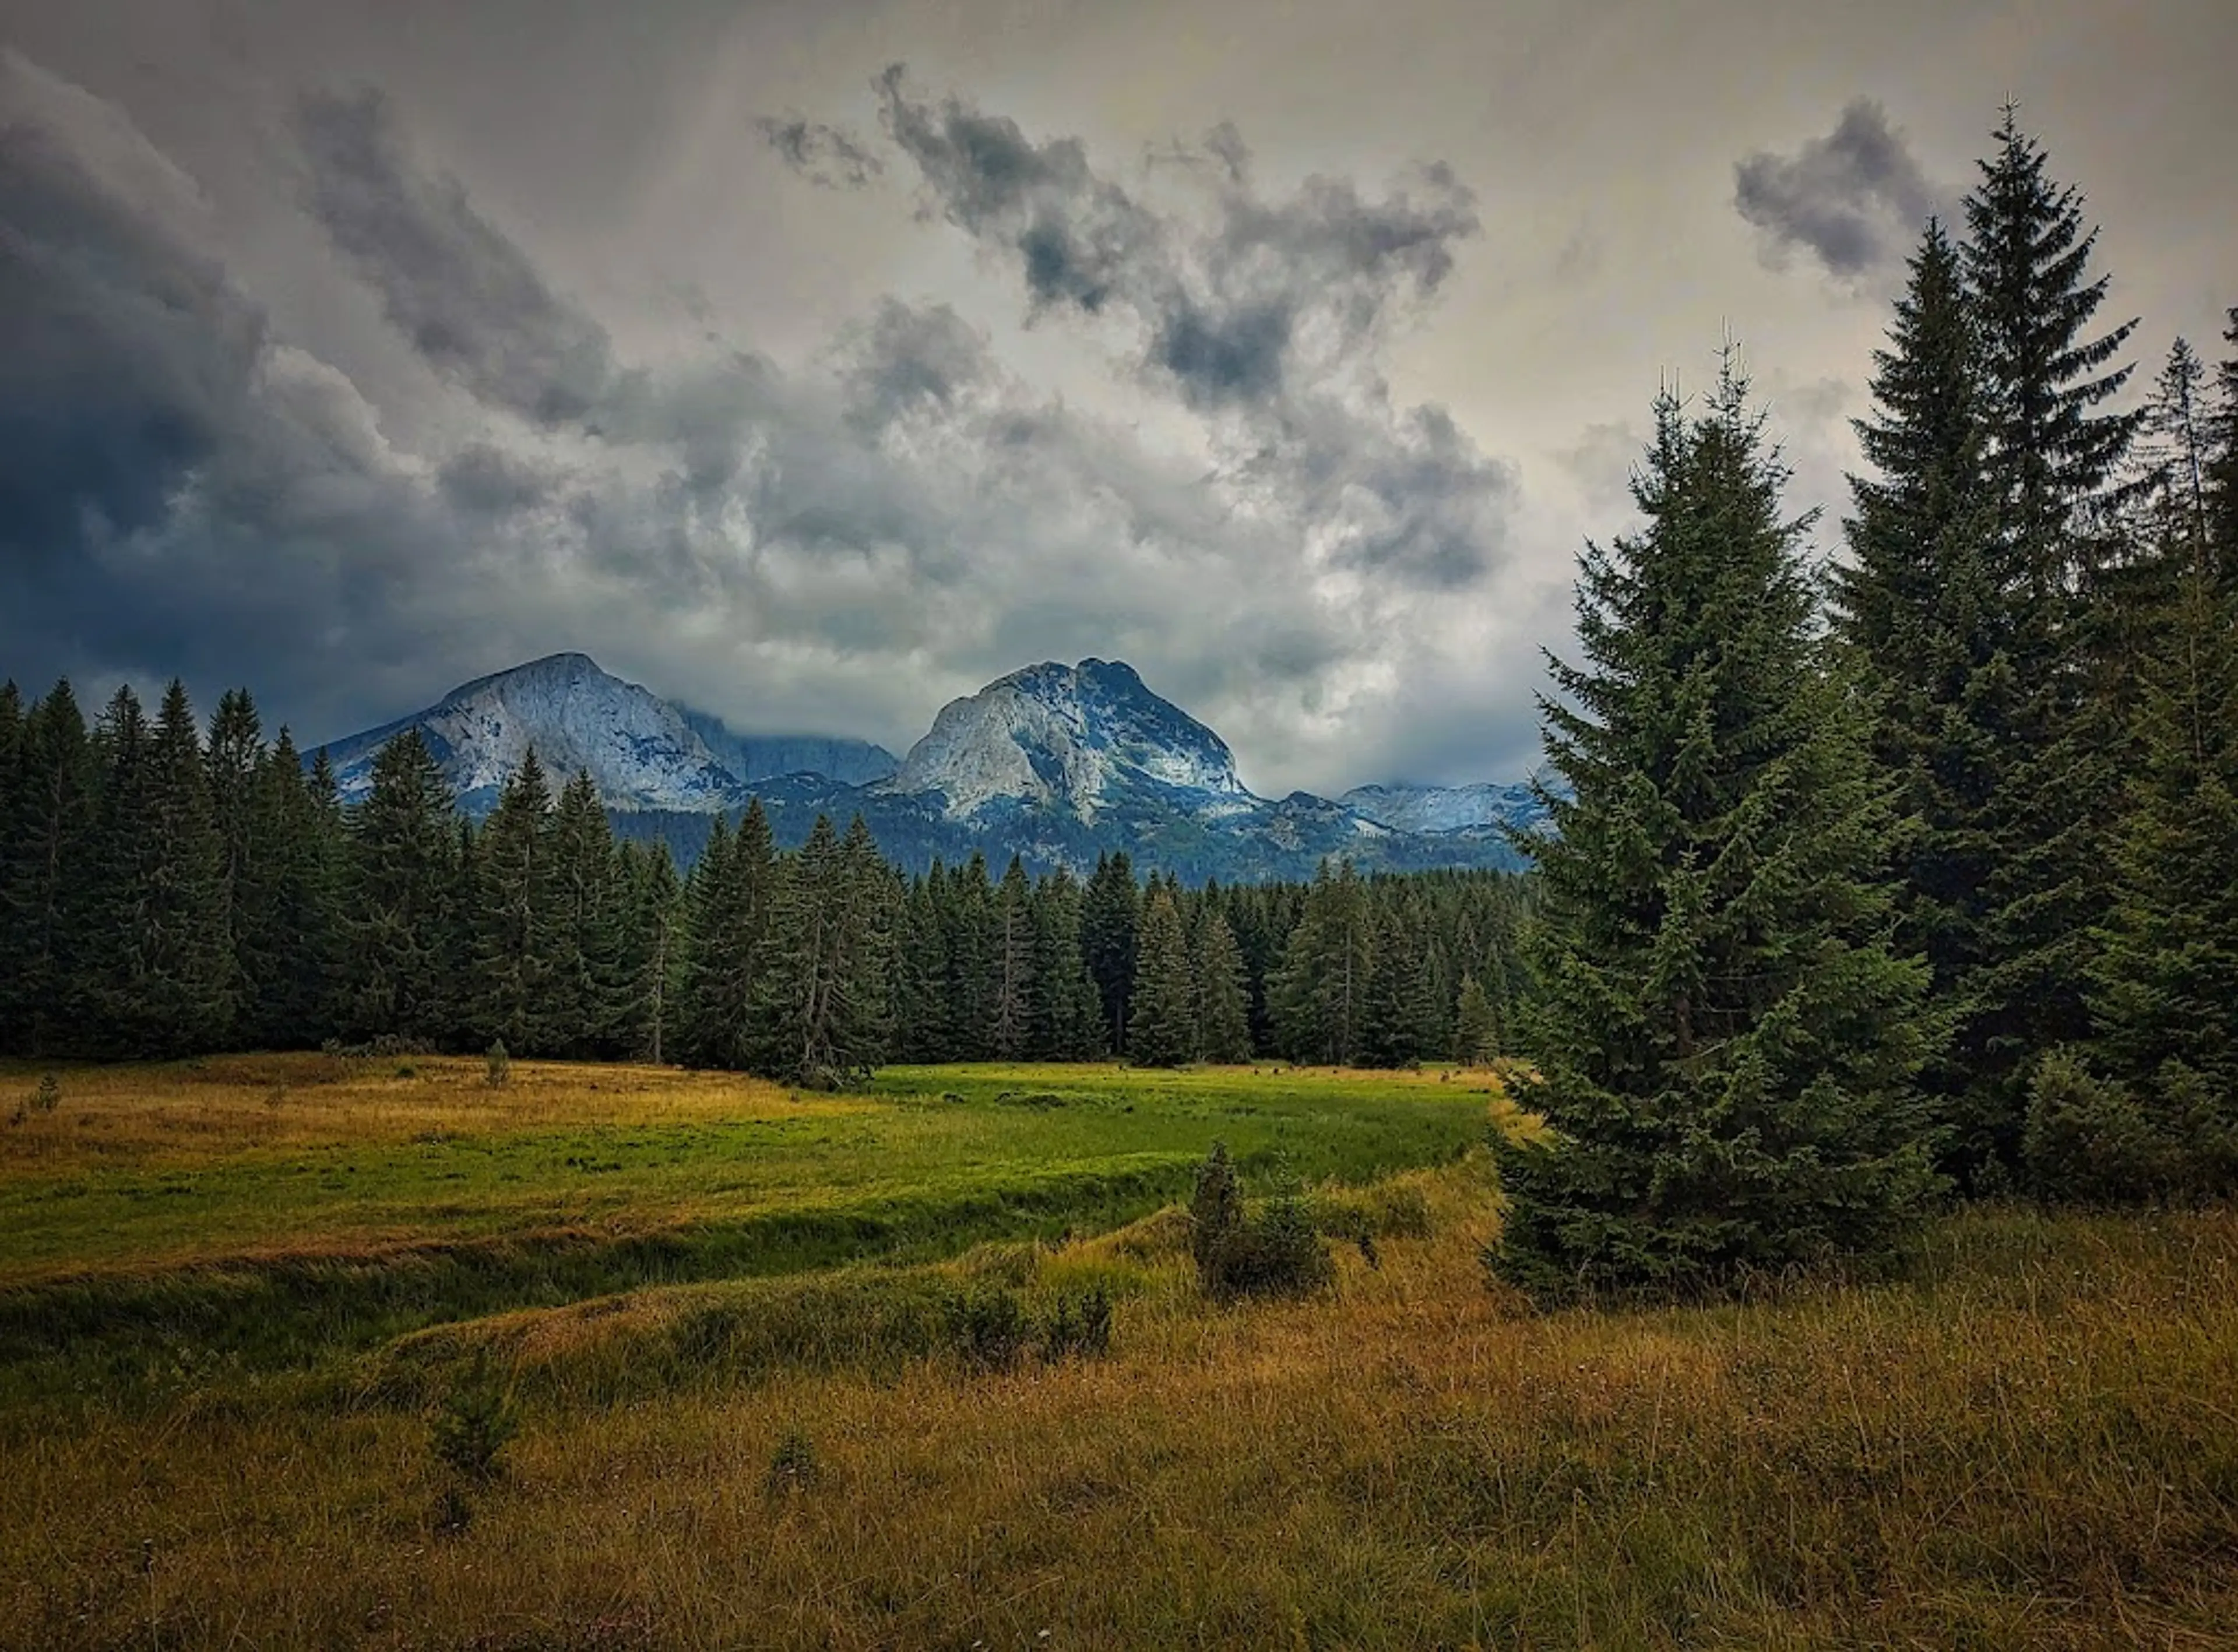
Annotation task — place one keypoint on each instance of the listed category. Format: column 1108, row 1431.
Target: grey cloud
column 823, row 154
column 467, row 296
column 485, row 480
column 1854, row 200
column 1265, row 317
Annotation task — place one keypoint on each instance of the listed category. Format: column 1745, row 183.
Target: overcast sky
column 818, row 362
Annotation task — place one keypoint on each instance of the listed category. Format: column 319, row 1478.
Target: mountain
column 1057, row 763
column 1439, row 810
column 1081, row 740
column 640, row 751
column 757, row 756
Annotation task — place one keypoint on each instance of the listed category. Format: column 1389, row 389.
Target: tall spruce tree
column 589, row 899
column 164, row 969
column 515, row 917
column 45, row 875
column 820, row 1007
column 1110, row 910
column 1928, row 604
column 1223, row 992
column 1068, row 1010
column 235, row 751
column 730, row 900
column 2055, row 457
column 399, row 897
column 1318, row 997
column 1012, row 1029
column 1162, row 1028
column 652, row 954
column 1726, row 1040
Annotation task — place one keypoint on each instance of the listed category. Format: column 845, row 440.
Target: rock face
column 1057, row 764
column 640, row 751
column 1079, row 740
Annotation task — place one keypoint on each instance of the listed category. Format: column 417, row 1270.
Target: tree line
column 1915, row 873
column 166, row 890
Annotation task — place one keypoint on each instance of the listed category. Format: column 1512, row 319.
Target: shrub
column 1276, row 1250
column 49, row 1095
column 2087, row 1141
column 1079, row 1326
column 497, row 1065
column 986, row 1326
column 792, row 1466
column 475, row 1424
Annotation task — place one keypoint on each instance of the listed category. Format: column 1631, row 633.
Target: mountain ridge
column 1057, row 763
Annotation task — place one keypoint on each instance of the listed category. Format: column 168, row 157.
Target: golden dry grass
column 2032, row 1444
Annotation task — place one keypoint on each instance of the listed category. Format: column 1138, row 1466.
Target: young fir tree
column 399, row 904
column 2055, row 458
column 44, row 832
column 1110, row 909
column 1726, row 1040
column 1223, row 992
column 1162, row 1031
column 1476, row 1035
column 514, row 917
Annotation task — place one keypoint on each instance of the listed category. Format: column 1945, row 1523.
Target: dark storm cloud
column 819, row 153
column 1264, row 315
column 468, row 299
column 124, row 354
column 1855, row 200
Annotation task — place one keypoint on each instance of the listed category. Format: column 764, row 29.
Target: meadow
column 237, row 1296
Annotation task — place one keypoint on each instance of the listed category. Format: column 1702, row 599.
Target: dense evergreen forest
column 1921, row 873
column 166, row 890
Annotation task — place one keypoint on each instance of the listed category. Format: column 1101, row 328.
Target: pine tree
column 2054, row 463
column 1068, row 1010
column 235, row 751
column 1222, row 993
column 515, row 943
column 161, row 965
column 1318, row 997
column 1476, row 1038
column 2220, row 465
column 2165, row 972
column 1928, row 604
column 1162, row 1031
column 1725, row 1041
column 731, row 902
column 399, row 898
column 921, row 970
column 588, row 987
column 820, row 1010
column 44, row 883
column 286, row 901
column 1387, row 1037
column 1012, row 1028
column 1110, row 909
column 651, row 962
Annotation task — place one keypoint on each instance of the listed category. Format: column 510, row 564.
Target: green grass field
column 236, row 1296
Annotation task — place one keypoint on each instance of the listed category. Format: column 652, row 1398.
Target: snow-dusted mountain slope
column 1447, row 809
column 1076, row 739
column 639, row 750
